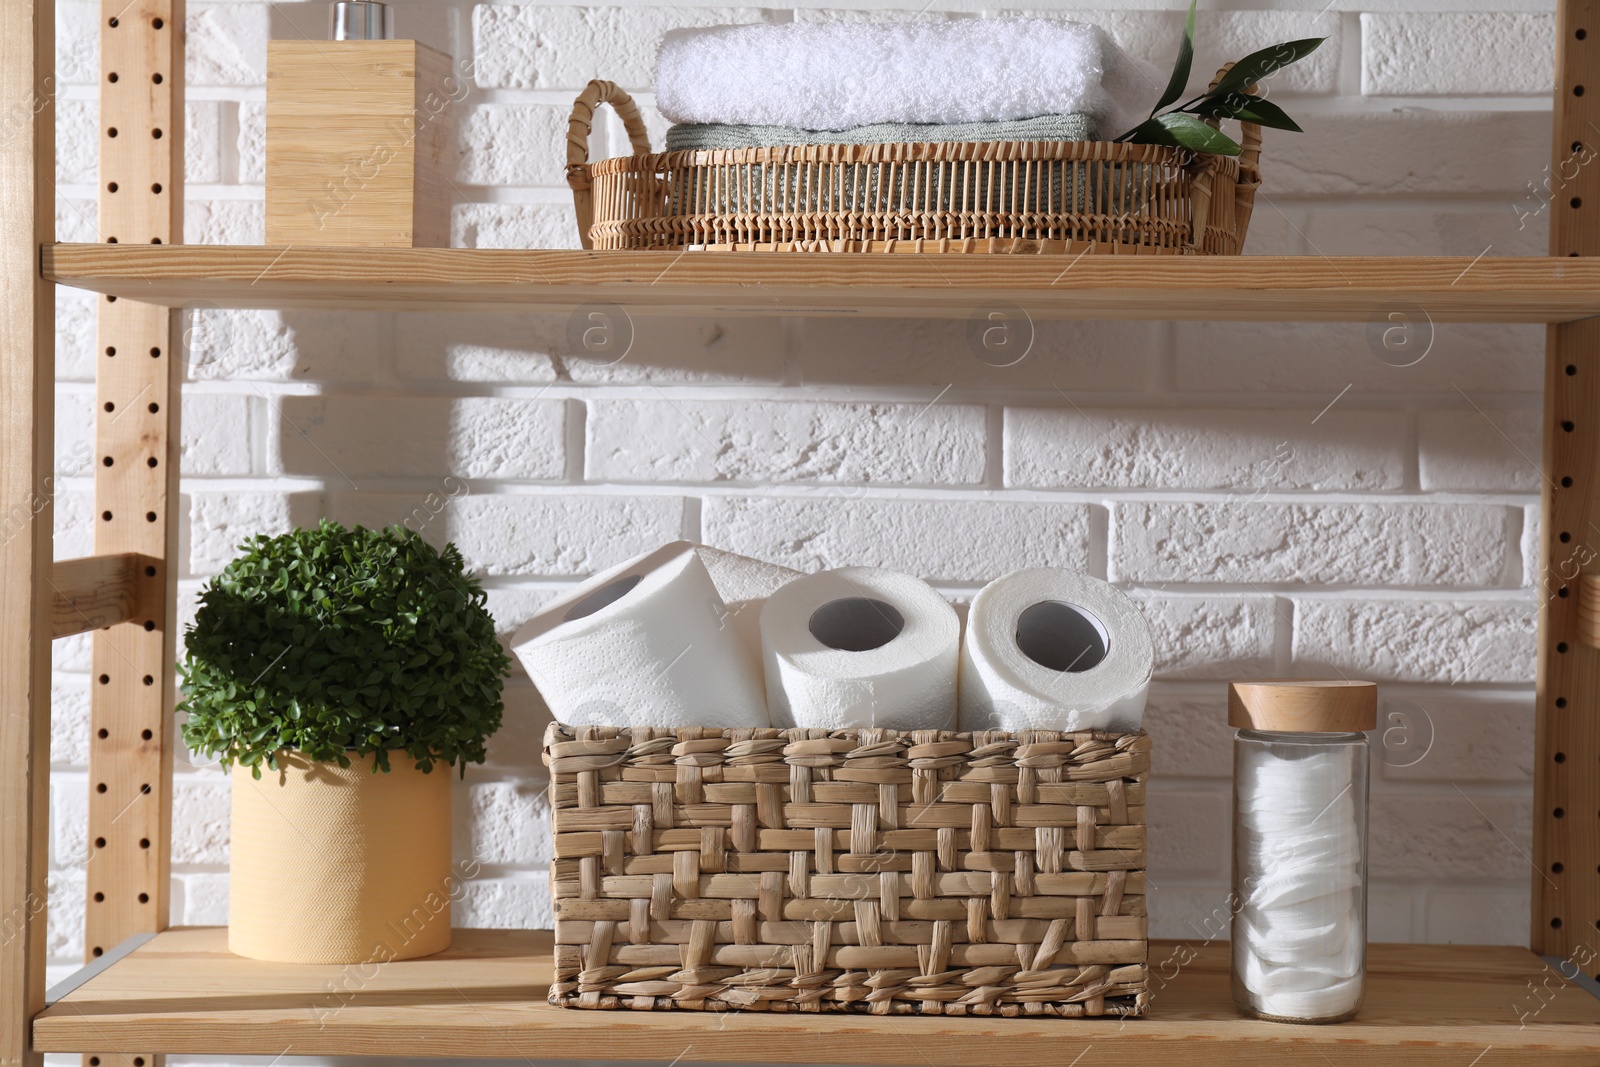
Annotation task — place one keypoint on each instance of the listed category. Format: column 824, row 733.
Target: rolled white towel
column 831, row 76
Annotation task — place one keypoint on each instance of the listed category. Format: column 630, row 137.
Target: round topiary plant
column 335, row 642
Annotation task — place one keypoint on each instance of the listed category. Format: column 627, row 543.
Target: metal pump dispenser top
column 360, row 20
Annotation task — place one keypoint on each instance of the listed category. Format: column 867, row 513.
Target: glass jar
column 1299, row 904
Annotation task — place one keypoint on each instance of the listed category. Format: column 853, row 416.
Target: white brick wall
column 1214, row 636
column 563, row 47
column 1282, row 499
column 1316, row 365
column 1211, row 449
column 839, row 530
column 755, row 441
column 1483, row 449
column 514, row 145
column 1436, row 54
column 1329, row 544
column 426, row 437
column 524, row 535
column 1411, row 639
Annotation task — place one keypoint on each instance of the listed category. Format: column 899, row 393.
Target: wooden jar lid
column 1293, row 706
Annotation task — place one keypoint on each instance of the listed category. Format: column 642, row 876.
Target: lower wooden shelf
column 182, row 992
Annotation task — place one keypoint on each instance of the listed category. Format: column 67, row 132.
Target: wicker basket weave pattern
column 870, row 871
column 1004, row 196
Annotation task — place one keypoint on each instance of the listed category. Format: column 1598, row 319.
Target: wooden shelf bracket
column 97, row 591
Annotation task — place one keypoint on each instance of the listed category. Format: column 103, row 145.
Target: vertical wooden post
column 138, row 376
column 1566, row 853
column 27, row 454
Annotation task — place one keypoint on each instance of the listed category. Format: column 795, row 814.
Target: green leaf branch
column 1191, row 124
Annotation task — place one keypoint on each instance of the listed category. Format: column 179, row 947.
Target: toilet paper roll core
column 1062, row 636
column 602, row 598
column 856, row 624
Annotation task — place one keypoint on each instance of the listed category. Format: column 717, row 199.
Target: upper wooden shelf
column 183, row 993
column 1238, row 288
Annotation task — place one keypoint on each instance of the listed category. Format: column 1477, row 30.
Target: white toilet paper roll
column 743, row 578
column 1051, row 649
column 858, row 647
column 645, row 643
column 744, row 585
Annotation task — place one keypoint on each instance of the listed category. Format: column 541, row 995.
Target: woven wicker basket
column 1003, row 196
column 867, row 871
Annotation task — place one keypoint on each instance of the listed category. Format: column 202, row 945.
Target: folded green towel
column 700, row 136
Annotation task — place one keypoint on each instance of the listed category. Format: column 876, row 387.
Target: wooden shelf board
column 182, row 992
column 1240, row 288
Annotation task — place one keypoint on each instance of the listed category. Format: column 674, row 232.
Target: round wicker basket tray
column 1004, row 196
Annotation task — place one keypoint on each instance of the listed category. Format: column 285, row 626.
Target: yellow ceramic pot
column 335, row 864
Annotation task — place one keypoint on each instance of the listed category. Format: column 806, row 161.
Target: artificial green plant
column 337, row 642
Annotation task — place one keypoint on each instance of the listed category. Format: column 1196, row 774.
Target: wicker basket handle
column 594, row 94
column 1249, row 176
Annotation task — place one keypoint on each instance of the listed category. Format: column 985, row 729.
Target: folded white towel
column 831, row 76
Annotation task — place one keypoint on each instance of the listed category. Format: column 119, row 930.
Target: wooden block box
column 360, row 135
column 865, row 871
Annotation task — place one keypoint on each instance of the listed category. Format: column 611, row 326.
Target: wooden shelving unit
column 184, row 993
column 1236, row 288
column 181, row 992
